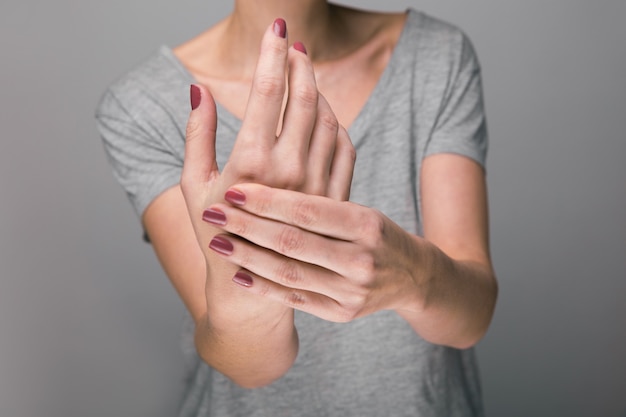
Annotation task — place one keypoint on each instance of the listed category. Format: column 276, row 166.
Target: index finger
column 268, row 86
column 341, row 220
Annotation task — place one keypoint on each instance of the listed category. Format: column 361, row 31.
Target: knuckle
column 288, row 273
column 293, row 175
column 365, row 266
column 345, row 144
column 373, row 226
column 274, row 51
column 264, row 290
column 346, row 314
column 245, row 259
column 290, row 241
column 193, row 129
column 269, row 86
column 349, row 150
column 355, row 305
column 245, row 167
column 240, row 228
column 295, row 299
column 328, row 121
column 306, row 95
column 304, row 213
column 316, row 186
column 262, row 205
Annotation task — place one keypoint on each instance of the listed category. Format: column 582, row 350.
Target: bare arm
column 462, row 287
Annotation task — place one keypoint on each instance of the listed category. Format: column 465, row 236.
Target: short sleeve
column 460, row 126
column 143, row 144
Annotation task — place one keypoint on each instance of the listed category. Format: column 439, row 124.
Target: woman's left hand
column 334, row 259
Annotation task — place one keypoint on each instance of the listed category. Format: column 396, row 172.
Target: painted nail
column 221, row 245
column 214, row 216
column 299, row 46
column 242, row 279
column 235, row 197
column 195, row 96
column 280, row 28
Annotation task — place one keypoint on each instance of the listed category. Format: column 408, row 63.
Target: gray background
column 88, row 322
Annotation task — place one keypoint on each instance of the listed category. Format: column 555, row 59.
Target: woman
column 303, row 303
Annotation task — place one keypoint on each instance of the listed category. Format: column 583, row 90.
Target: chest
column 346, row 85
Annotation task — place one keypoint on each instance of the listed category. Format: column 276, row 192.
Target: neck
column 308, row 21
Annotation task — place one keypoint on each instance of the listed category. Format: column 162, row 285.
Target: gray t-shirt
column 428, row 100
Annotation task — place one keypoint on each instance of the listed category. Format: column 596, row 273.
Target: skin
column 295, row 238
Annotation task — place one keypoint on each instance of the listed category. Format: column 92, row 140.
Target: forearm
column 251, row 354
column 456, row 301
column 252, row 341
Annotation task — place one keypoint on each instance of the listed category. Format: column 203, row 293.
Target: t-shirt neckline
column 366, row 113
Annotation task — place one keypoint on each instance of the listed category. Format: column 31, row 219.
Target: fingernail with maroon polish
column 235, row 197
column 195, row 96
column 221, row 245
column 242, row 279
column 299, row 46
column 214, row 216
column 280, row 28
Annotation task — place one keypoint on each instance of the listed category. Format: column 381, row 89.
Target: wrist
column 453, row 299
column 251, row 354
column 424, row 270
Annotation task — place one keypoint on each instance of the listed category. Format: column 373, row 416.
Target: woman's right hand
column 300, row 148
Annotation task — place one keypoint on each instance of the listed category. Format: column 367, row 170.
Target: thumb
column 199, row 165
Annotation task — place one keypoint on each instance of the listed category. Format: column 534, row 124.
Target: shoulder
column 140, row 119
column 156, row 83
column 437, row 42
column 427, row 29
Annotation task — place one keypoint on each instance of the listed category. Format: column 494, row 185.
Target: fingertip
column 248, row 194
column 200, row 98
column 235, row 197
column 280, row 28
column 299, row 46
column 195, row 96
column 243, row 279
column 202, row 105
